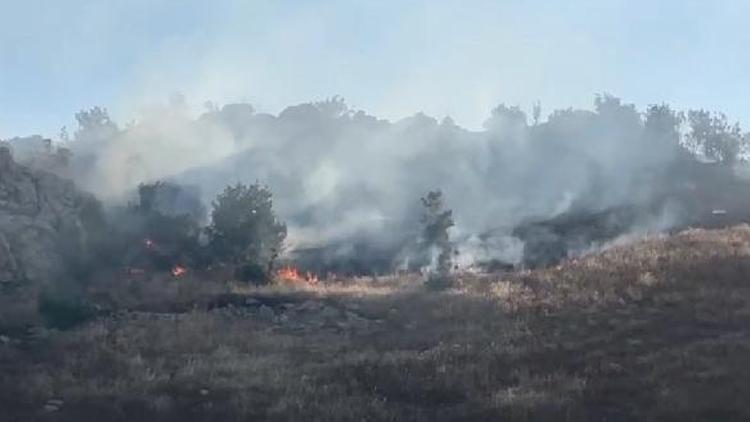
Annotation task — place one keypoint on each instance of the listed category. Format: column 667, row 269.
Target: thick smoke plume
column 348, row 184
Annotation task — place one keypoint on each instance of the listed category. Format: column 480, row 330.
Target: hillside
column 652, row 330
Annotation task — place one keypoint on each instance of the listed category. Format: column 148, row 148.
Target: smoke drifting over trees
column 342, row 178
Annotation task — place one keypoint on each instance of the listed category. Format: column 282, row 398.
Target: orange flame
column 178, row 271
column 293, row 275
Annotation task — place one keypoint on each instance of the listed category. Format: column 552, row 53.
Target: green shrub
column 252, row 273
column 436, row 221
column 244, row 229
column 64, row 312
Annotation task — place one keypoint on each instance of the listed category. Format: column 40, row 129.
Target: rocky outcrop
column 40, row 223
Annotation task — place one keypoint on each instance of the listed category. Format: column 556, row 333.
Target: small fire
column 293, row 275
column 178, row 271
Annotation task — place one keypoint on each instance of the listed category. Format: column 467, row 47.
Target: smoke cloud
column 348, row 183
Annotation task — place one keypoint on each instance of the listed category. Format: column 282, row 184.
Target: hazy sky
column 391, row 58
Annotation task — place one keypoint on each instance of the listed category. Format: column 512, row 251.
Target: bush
column 439, row 281
column 64, row 312
column 715, row 137
column 436, row 221
column 170, row 199
column 252, row 272
column 163, row 226
column 244, row 229
column 84, row 248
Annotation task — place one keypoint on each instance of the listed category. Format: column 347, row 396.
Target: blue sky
column 390, row 58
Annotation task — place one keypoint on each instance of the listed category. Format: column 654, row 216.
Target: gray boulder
column 40, row 223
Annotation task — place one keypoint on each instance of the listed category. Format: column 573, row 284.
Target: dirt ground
column 655, row 330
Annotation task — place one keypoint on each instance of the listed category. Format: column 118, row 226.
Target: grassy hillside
column 654, row 330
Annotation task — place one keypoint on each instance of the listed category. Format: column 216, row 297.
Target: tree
column 506, row 118
column 64, row 137
column 94, row 124
column 714, row 136
column 436, row 221
column 333, row 107
column 662, row 129
column 536, row 112
column 614, row 117
column 166, row 220
column 663, row 123
column 170, row 199
column 244, row 228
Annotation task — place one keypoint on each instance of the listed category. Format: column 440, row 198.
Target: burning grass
column 291, row 274
column 651, row 331
column 178, row 271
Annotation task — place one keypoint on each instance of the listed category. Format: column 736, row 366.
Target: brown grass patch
column 651, row 331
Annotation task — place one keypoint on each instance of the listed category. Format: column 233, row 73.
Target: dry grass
column 652, row 331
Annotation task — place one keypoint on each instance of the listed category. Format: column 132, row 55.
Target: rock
column 251, row 301
column 615, row 367
column 358, row 323
column 343, row 325
column 163, row 403
column 38, row 333
column 49, row 408
column 266, row 313
column 8, row 266
column 283, row 318
column 329, row 312
column 6, row 159
column 52, row 405
column 352, row 315
column 353, row 307
column 310, row 305
column 316, row 321
column 41, row 223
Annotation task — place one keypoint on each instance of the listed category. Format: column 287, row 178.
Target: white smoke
column 339, row 174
